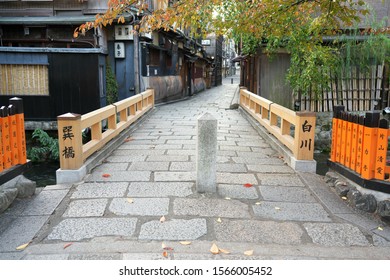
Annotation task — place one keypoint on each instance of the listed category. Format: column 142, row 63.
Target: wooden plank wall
column 356, row 90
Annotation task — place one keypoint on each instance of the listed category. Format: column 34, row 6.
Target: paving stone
column 160, row 189
column 126, row 159
column 105, row 167
column 264, row 232
column 134, row 154
column 149, row 166
column 380, row 241
column 270, row 168
column 100, row 190
column 236, row 178
column 287, row 194
column 174, row 176
column 256, row 160
column 76, row 229
column 252, row 155
column 361, row 221
column 259, row 143
column 226, row 153
column 11, row 256
column 237, row 191
column 168, row 158
column 183, row 166
column 182, row 152
column 86, row 208
column 280, row 180
column 233, row 148
column 98, row 256
column 45, row 203
column 140, row 206
column 120, row 176
column 332, row 234
column 175, row 229
column 47, row 257
column 231, row 167
column 21, row 231
column 206, row 207
column 287, row 211
column 181, row 141
column 143, row 256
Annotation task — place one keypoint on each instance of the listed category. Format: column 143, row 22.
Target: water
column 43, row 174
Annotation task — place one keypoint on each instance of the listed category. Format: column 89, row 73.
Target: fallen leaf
column 224, row 251
column 163, row 245
column 344, row 198
column 219, row 220
column 380, row 228
column 67, row 245
column 277, row 208
column 214, row 249
column 105, row 175
column 165, row 254
column 248, row 185
column 22, row 247
column 227, row 198
column 162, row 219
column 130, row 200
column 185, row 242
column 248, row 253
column 258, row 203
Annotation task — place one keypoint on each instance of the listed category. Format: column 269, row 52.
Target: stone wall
column 19, row 187
column 323, row 135
column 365, row 200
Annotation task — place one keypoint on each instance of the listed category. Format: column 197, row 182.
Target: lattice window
column 24, row 79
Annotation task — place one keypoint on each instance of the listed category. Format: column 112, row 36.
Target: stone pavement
column 143, row 195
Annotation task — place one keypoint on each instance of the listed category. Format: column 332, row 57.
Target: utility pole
column 136, row 62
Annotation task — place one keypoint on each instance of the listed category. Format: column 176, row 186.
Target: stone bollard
column 206, row 153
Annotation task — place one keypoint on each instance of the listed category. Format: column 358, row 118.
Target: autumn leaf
column 224, row 251
column 248, row 253
column 106, row 175
column 247, row 185
column 67, row 245
column 185, row 242
column 214, row 249
column 22, row 247
column 165, row 254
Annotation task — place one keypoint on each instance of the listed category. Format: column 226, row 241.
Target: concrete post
column 206, row 152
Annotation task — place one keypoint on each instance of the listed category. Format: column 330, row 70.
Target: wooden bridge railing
column 281, row 121
column 73, row 152
column 360, row 143
column 12, row 135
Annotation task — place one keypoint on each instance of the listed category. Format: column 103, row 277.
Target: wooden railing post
column 20, row 132
column 369, row 144
column 381, row 149
column 304, row 135
column 13, row 138
column 7, row 160
column 70, row 141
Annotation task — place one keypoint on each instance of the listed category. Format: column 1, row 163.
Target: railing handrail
column 73, row 152
column 278, row 120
